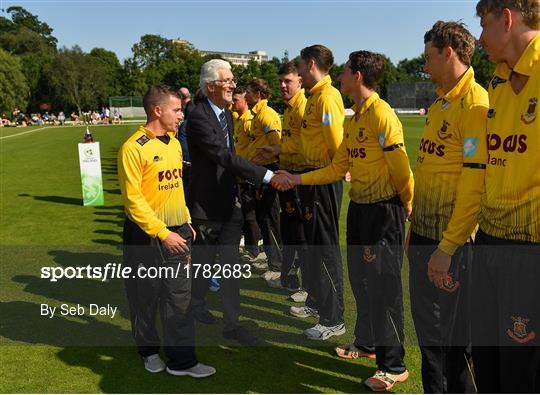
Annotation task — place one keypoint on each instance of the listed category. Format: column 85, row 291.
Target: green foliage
column 412, row 70
column 483, row 67
column 111, row 67
column 151, row 50
column 78, row 79
column 13, row 86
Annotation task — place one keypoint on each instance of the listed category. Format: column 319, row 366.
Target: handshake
column 283, row 181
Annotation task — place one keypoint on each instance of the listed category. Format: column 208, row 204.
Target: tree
column 133, row 83
column 13, row 87
column 22, row 18
column 77, row 79
column 412, row 70
column 483, row 67
column 391, row 74
column 112, row 69
column 151, row 50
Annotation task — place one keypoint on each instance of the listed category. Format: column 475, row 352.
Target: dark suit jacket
column 213, row 188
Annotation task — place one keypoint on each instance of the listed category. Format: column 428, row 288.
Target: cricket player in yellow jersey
column 290, row 159
column 320, row 136
column 381, row 194
column 266, row 130
column 242, row 127
column 506, row 269
column 449, row 181
column 157, row 234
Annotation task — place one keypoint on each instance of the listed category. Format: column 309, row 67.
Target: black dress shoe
column 205, row 317
column 241, row 335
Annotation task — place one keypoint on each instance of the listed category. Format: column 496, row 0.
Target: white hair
column 210, row 72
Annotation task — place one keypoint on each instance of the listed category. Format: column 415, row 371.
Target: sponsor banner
column 90, row 163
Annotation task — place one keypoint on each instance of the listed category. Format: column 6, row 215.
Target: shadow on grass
column 56, row 199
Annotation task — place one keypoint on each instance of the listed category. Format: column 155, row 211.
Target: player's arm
column 137, row 208
column 333, row 115
column 331, row 173
column 390, row 134
column 272, row 128
column 471, row 181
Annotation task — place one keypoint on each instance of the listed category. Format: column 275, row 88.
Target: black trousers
column 442, row 319
column 375, row 235
column 171, row 295
column 267, row 213
column 293, row 237
column 221, row 239
column 250, row 229
column 321, row 206
column 506, row 315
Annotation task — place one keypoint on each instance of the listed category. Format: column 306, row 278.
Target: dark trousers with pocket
column 293, row 237
column 506, row 315
column 218, row 239
column 267, row 212
column 250, row 229
column 375, row 235
column 170, row 293
column 442, row 319
column 323, row 277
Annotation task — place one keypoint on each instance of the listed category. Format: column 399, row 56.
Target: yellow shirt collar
column 460, row 88
column 259, row 106
column 528, row 61
column 366, row 104
column 148, row 133
column 293, row 100
column 326, row 80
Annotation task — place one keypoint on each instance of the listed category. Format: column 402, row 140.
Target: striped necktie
column 224, row 128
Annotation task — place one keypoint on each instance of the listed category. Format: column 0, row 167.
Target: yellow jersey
column 373, row 151
column 265, row 129
column 322, row 125
column 291, row 157
column 451, row 165
column 242, row 126
column 510, row 206
column 150, row 178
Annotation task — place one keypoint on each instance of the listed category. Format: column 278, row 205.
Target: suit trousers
column 170, row 295
column 218, row 239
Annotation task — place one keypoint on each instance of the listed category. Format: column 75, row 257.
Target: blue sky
column 395, row 28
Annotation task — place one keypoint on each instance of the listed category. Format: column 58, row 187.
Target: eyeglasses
column 228, row 81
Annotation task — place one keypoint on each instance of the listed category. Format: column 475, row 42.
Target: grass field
column 45, row 224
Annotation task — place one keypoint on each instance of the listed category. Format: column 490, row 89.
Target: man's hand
column 175, row 244
column 265, row 153
column 283, row 181
column 438, row 266
column 408, row 213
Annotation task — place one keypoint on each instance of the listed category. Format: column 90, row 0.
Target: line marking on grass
column 56, row 127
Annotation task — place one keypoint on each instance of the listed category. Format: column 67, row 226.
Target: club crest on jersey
column 445, row 104
column 496, row 81
column 309, row 110
column 361, row 138
column 142, row 140
column 470, row 145
column 327, row 119
column 491, row 113
column 519, row 331
column 530, row 115
column 289, row 208
column 369, row 255
column 157, row 158
column 449, row 285
column 308, row 213
column 443, row 131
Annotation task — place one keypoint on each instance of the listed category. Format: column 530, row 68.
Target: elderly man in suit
column 213, row 197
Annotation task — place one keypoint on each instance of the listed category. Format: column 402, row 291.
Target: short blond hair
column 529, row 9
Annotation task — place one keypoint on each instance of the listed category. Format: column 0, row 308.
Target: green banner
column 92, row 184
